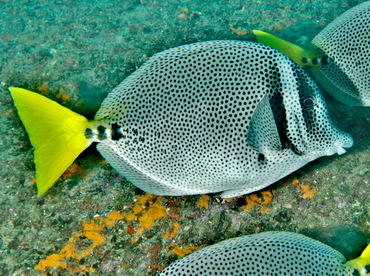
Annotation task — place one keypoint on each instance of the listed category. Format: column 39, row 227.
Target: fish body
column 340, row 61
column 345, row 47
column 214, row 116
column 268, row 254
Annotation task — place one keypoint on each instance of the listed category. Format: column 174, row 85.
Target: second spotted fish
column 269, row 254
column 340, row 62
column 214, row 116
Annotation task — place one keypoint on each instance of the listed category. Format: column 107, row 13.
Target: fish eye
column 308, row 101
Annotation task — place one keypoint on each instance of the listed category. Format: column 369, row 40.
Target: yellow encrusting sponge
column 56, row 133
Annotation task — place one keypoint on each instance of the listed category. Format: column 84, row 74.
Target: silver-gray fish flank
column 216, row 116
column 264, row 254
column 346, row 43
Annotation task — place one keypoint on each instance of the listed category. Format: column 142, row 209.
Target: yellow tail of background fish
column 56, row 133
column 295, row 52
column 360, row 262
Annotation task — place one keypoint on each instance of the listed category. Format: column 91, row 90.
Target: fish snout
column 345, row 141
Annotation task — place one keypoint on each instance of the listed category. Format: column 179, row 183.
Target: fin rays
column 56, row 133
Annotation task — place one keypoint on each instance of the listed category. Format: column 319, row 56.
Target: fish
column 215, row 116
column 340, row 61
column 268, row 253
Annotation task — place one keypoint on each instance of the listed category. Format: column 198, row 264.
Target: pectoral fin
column 262, row 134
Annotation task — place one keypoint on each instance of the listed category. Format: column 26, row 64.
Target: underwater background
column 92, row 221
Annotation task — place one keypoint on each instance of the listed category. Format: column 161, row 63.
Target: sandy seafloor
column 83, row 49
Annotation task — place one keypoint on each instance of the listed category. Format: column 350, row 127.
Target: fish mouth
column 339, row 145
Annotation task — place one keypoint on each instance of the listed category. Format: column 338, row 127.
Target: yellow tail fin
column 56, row 133
column 360, row 262
column 301, row 56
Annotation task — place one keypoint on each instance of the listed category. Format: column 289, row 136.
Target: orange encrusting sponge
column 91, row 232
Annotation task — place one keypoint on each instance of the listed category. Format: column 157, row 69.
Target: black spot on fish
column 116, row 132
column 325, row 60
column 89, row 133
column 102, row 135
column 305, row 60
column 316, row 61
column 261, row 158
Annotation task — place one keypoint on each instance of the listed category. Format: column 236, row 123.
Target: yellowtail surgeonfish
column 341, row 61
column 207, row 117
column 268, row 254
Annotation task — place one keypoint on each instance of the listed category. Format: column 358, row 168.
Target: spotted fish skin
column 263, row 254
column 216, row 116
column 340, row 61
column 345, row 46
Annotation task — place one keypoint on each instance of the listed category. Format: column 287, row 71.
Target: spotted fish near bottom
column 268, row 254
column 214, row 116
